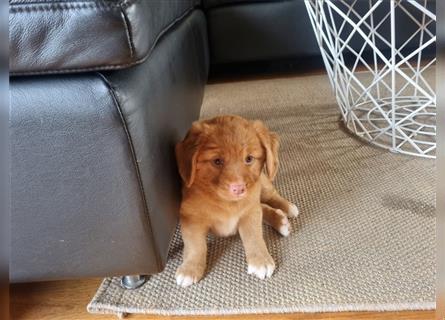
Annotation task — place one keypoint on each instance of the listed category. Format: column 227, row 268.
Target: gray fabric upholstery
column 94, row 185
column 69, row 36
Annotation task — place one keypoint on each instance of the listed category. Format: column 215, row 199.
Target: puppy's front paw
column 293, row 210
column 261, row 267
column 283, row 225
column 187, row 275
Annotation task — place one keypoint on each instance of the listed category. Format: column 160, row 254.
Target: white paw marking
column 284, row 230
column 185, row 281
column 261, row 271
column 293, row 210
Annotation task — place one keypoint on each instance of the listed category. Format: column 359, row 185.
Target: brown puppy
column 225, row 190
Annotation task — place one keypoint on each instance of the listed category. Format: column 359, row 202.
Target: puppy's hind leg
column 271, row 197
column 276, row 219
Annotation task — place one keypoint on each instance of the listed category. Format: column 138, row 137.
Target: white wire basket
column 383, row 76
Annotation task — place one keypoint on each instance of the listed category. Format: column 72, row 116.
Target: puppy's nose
column 237, row 188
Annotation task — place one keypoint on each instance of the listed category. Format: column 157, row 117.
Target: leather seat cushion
column 58, row 36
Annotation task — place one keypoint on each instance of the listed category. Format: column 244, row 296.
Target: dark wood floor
column 67, row 300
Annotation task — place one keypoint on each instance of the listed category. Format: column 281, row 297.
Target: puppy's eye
column 249, row 159
column 218, row 162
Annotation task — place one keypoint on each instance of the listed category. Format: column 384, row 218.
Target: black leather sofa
column 100, row 93
column 101, row 90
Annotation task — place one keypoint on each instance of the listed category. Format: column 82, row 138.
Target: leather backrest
column 71, row 35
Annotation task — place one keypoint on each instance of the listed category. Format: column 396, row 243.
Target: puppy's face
column 226, row 155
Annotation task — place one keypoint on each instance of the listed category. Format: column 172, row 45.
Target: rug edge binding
column 99, row 308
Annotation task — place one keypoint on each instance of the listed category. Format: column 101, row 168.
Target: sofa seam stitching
column 128, row 33
column 135, row 164
column 36, row 7
column 61, row 7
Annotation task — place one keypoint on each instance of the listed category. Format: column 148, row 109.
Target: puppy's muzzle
column 237, row 189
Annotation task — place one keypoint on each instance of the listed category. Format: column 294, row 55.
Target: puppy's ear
column 269, row 141
column 187, row 153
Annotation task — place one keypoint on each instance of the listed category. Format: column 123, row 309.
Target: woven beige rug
column 365, row 238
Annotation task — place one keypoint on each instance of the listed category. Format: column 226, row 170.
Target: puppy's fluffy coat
column 226, row 190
